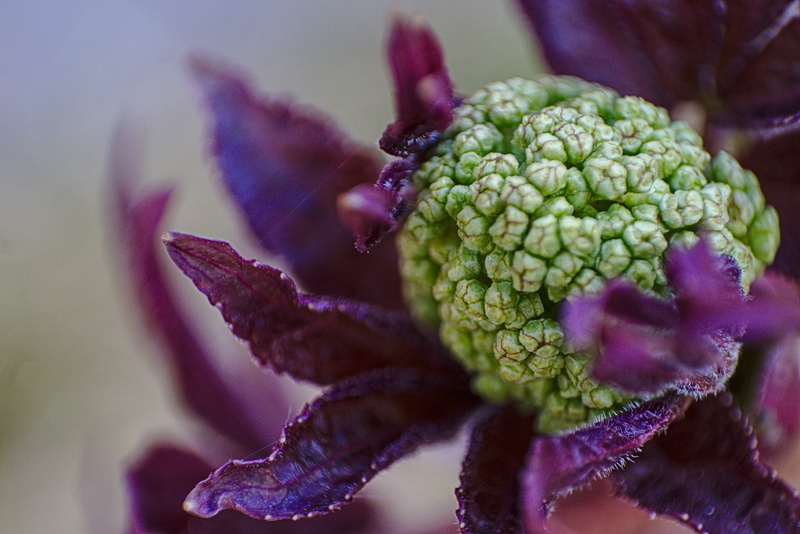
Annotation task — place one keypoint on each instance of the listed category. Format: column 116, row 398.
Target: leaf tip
column 168, row 237
column 198, row 504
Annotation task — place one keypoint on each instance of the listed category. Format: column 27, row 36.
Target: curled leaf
column 645, row 344
column 160, row 480
column 285, row 166
column 423, row 90
column 705, row 472
column 557, row 465
column 489, row 493
column 337, row 444
column 312, row 338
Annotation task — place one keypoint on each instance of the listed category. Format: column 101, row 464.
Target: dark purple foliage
column 424, row 104
column 705, row 472
column 489, row 493
column 285, row 165
column 774, row 326
column 312, row 338
column 774, row 308
column 372, row 215
column 557, row 465
column 645, row 344
column 294, row 174
column 356, row 429
column 367, row 211
column 160, row 480
column 422, row 88
column 737, row 57
column 249, row 412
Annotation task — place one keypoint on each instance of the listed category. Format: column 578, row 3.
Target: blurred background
column 80, row 389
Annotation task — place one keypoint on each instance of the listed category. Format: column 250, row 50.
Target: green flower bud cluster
column 544, row 189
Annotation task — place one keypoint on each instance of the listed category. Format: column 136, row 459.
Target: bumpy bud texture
column 544, row 189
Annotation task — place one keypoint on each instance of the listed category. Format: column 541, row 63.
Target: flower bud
column 541, row 190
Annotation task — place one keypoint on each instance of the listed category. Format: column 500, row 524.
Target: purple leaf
column 311, row 338
column 738, row 58
column 707, row 291
column 645, row 345
column 424, row 103
column 774, row 309
column 327, row 454
column 558, row 465
column 237, row 413
column 760, row 76
column 285, row 166
column 610, row 43
column 160, row 480
column 705, row 472
column 367, row 211
column 489, row 494
column 372, row 213
column 423, row 90
column 777, row 404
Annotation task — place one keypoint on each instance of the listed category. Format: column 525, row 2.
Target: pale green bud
column 614, row 220
column 485, row 194
column 464, row 265
column 497, row 163
column 458, row 198
column 480, row 139
column 742, row 212
column 666, row 152
column 715, row 202
column 586, row 281
column 522, row 195
column 633, row 107
column 547, row 176
column 540, row 190
column 464, row 172
column 473, row 228
column 545, row 146
column 643, row 273
column 577, row 191
column 562, row 269
column 542, row 239
column 557, row 207
column 644, row 239
column 614, row 258
column 469, row 299
column 509, row 229
column 606, row 178
column 688, row 178
column 578, row 143
column 580, row 236
column 634, row 133
column 544, row 340
column 641, row 172
column 762, row 236
column 501, row 303
column 498, row 265
column 527, row 271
